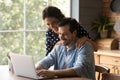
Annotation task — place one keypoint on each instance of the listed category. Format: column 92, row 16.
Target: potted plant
column 103, row 25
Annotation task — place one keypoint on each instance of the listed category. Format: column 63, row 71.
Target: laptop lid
column 24, row 65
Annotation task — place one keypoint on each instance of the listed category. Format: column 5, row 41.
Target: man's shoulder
column 86, row 49
column 87, row 45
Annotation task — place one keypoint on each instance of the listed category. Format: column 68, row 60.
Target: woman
column 51, row 16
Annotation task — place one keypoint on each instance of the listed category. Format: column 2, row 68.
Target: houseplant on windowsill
column 103, row 25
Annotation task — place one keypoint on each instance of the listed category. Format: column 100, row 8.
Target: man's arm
column 65, row 72
column 59, row 73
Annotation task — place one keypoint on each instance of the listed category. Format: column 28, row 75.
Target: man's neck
column 72, row 43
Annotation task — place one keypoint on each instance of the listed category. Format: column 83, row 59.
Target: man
column 68, row 60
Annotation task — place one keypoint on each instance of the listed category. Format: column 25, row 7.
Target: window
column 22, row 29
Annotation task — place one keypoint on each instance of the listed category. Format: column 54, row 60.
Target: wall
column 85, row 11
column 114, row 16
column 89, row 10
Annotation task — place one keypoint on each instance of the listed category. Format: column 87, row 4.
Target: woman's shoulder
column 49, row 31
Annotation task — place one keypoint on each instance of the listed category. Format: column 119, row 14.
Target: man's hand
column 46, row 73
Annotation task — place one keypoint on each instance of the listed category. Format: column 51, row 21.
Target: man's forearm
column 65, row 73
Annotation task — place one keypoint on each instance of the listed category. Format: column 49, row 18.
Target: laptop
column 23, row 65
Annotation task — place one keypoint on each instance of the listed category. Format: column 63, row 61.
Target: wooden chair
column 100, row 69
column 110, row 76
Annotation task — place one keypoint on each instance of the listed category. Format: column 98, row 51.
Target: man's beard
column 66, row 42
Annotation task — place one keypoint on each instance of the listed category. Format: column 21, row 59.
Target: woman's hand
column 81, row 41
column 58, row 43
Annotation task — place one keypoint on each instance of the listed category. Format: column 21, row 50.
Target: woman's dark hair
column 52, row 11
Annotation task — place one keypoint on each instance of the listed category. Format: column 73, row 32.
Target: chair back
column 110, row 76
column 100, row 69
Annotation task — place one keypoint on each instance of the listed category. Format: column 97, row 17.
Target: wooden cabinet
column 109, row 58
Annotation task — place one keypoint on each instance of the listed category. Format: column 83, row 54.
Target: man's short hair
column 73, row 24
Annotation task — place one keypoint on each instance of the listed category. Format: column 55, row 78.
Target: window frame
column 25, row 30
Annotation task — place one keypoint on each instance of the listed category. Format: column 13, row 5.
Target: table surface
column 5, row 74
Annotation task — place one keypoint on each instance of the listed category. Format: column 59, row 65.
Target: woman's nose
column 53, row 25
column 61, row 36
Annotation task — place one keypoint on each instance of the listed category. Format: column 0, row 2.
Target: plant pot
column 103, row 33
